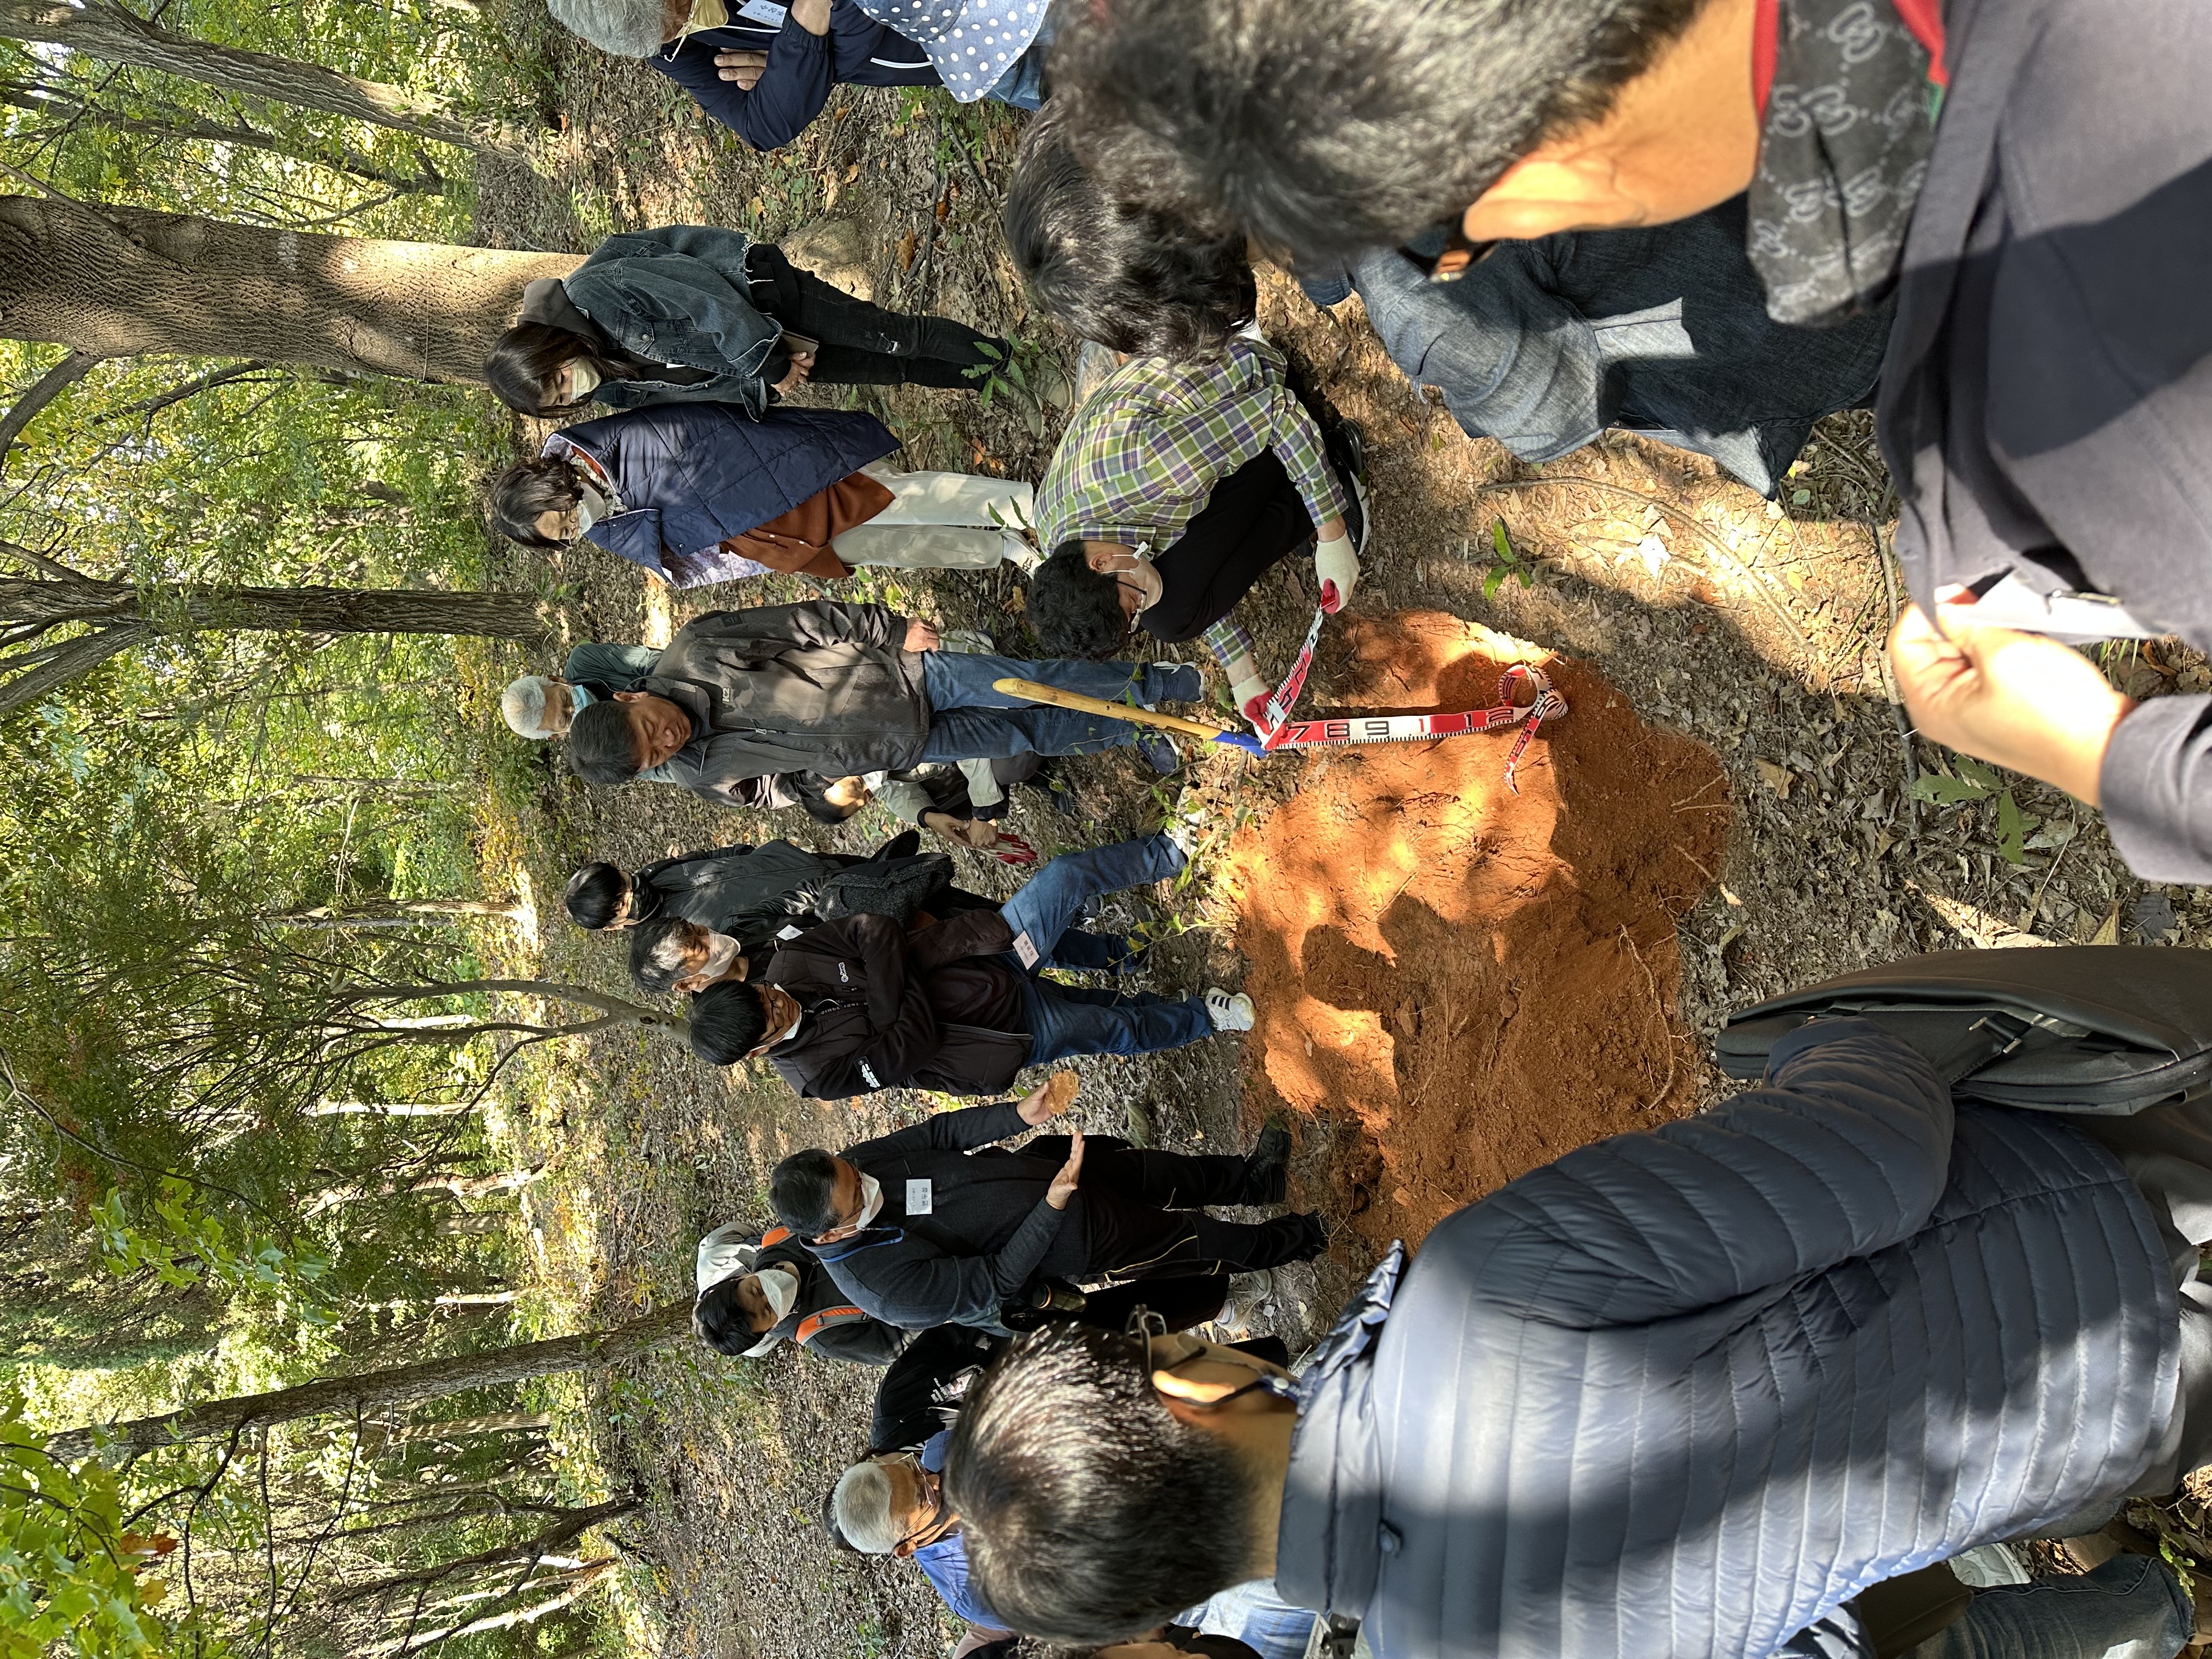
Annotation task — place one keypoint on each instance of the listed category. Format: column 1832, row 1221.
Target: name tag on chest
column 1025, row 950
column 764, row 11
column 920, row 1197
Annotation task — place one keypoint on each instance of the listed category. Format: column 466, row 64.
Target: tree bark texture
column 400, row 1385
column 107, row 32
column 563, row 1530
column 118, row 281
column 117, row 616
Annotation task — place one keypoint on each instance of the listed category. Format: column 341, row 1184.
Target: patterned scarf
column 1850, row 120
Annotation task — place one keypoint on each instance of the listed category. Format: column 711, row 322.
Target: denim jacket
column 678, row 294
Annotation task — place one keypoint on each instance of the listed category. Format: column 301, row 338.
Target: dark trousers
column 908, row 1398
column 1138, row 1212
column 1253, row 519
column 864, row 345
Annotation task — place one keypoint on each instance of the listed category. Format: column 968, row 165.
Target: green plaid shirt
column 1142, row 455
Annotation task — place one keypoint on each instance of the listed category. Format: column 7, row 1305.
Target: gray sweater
column 2046, row 401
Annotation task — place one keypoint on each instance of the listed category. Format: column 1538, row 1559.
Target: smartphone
column 799, row 345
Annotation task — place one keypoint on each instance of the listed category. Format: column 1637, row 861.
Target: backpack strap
column 815, row 1323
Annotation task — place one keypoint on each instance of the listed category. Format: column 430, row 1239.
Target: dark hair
column 527, row 489
column 1139, row 278
column 1091, row 1513
column 1074, row 611
column 601, row 746
column 1324, row 129
column 594, row 894
column 804, row 1190
column 521, row 364
column 718, row 1321
column 655, row 949
column 810, row 790
column 727, row 1022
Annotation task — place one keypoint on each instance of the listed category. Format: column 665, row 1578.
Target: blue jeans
column 1066, row 1019
column 2132, row 1607
column 969, row 720
column 1022, row 84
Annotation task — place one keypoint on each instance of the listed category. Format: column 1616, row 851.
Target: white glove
column 1251, row 695
column 1335, row 562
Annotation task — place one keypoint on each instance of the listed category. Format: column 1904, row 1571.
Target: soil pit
column 1462, row 983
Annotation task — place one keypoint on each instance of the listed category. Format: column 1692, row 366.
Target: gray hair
column 627, row 29
column 860, row 1505
column 522, row 706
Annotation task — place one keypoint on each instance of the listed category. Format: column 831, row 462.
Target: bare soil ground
column 1728, row 812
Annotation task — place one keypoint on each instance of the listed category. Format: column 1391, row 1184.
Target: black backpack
column 2108, row 1029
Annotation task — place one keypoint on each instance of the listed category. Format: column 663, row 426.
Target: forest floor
column 1455, row 982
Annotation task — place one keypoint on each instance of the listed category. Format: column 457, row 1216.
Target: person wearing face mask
column 693, row 313
column 698, row 493
column 1197, row 463
column 936, row 1224
column 757, row 1293
column 764, row 71
column 540, row 705
column 755, row 893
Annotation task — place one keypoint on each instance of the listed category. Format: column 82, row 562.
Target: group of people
column 1725, row 1389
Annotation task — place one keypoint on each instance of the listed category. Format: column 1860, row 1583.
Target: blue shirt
column 944, row 1563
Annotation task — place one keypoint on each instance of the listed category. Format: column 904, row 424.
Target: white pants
column 943, row 521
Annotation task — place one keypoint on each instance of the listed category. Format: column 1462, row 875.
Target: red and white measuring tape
column 1285, row 733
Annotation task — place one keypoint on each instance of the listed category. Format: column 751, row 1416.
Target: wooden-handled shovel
column 1034, row 691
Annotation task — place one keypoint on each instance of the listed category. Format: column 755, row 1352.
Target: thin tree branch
column 51, row 385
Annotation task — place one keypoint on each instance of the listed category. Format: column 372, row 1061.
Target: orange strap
column 775, row 1236
column 814, row 1324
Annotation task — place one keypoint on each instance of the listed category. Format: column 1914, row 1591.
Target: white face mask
column 592, row 506
column 780, row 1288
column 872, row 1197
column 583, row 379
column 722, row 953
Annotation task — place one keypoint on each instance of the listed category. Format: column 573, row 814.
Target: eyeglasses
column 1144, row 1323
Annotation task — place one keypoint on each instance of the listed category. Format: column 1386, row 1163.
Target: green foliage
column 1510, row 563
column 1973, row 783
column 185, row 1244
column 73, row 1578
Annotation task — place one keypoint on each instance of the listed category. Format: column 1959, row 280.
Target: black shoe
column 1267, row 1167
column 1315, row 1239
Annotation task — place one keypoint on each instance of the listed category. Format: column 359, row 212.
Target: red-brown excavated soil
column 1469, row 982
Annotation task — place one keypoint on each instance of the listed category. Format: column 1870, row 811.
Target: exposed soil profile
column 1465, row 982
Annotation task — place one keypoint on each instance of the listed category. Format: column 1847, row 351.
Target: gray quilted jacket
column 1681, row 1393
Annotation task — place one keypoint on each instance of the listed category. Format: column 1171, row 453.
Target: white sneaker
column 1231, row 1013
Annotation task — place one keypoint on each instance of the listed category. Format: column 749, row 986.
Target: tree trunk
column 401, row 1385
column 118, row 282
column 451, row 1428
column 183, row 127
column 564, row 1529
column 100, row 29
column 120, row 615
column 578, row 1580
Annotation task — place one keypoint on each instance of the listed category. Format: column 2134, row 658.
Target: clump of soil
column 1464, row 982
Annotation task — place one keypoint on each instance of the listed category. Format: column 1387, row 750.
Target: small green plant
column 1974, row 782
column 1510, row 563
